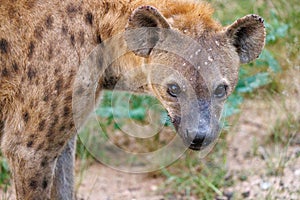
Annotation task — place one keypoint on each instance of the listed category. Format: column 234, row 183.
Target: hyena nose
column 198, row 139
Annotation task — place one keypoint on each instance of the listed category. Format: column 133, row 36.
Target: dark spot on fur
column 56, row 71
column 15, row 67
column 81, row 38
column 31, row 49
column 42, row 125
column 39, row 147
column 53, row 106
column 30, row 4
column 29, row 144
column 12, row 12
column 72, row 125
column 33, row 184
column 64, row 29
column 31, row 73
column 72, row 39
column 62, row 128
column 89, row 18
column 66, row 111
column 72, row 10
column 58, row 85
column 26, row 116
column 32, row 136
column 98, row 39
column 45, row 183
column 1, row 126
column 44, row 162
column 49, row 22
column 3, row 46
column 5, row 72
column 62, row 143
column 68, row 99
column 49, row 133
column 46, row 96
column 50, row 53
column 38, row 32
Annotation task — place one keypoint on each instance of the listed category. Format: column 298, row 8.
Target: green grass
column 4, row 172
column 193, row 177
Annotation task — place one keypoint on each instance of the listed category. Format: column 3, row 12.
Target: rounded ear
column 247, row 34
column 142, row 30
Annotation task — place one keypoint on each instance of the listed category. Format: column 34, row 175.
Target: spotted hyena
column 43, row 43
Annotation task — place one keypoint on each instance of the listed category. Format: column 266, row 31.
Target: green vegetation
column 4, row 172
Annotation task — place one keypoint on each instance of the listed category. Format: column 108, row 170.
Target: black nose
column 198, row 140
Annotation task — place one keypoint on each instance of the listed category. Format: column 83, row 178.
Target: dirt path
column 264, row 165
column 101, row 182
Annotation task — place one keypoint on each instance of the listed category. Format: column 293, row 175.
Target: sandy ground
column 101, row 182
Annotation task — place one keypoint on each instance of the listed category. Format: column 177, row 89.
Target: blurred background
column 258, row 153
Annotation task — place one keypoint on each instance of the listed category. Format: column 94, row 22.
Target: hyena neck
column 128, row 73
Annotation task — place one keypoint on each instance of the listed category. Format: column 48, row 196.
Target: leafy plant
column 4, row 171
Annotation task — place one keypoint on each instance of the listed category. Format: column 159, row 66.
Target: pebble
column 281, row 183
column 297, row 172
column 228, row 194
column 265, row 185
column 154, row 188
column 246, row 194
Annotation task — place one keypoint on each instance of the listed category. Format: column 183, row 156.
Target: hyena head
column 192, row 71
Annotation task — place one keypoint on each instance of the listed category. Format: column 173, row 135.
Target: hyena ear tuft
column 248, row 36
column 143, row 30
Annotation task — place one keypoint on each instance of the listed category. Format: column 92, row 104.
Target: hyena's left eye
column 221, row 91
column 174, row 90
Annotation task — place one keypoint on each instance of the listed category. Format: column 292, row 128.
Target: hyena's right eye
column 221, row 91
column 173, row 89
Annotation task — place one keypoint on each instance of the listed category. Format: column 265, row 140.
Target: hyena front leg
column 32, row 152
column 32, row 171
column 63, row 184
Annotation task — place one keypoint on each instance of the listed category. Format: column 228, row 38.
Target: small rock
column 154, row 188
column 265, row 185
column 297, row 172
column 281, row 183
column 228, row 194
column 246, row 194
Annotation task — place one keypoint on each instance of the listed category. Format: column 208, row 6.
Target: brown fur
column 42, row 45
